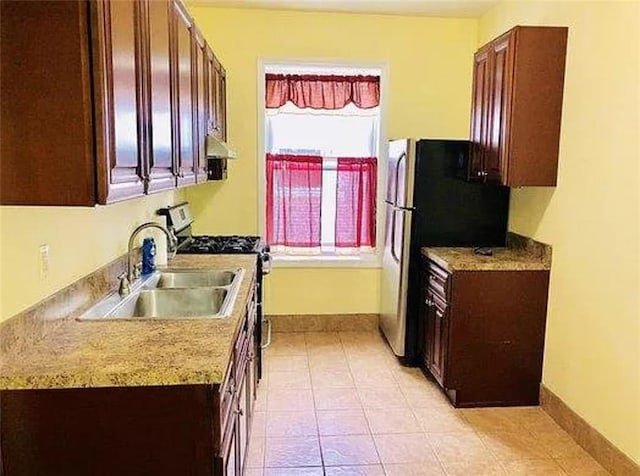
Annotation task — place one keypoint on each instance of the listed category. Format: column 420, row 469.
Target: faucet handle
column 137, row 270
column 124, row 289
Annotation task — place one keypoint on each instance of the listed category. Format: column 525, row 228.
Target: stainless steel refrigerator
column 428, row 203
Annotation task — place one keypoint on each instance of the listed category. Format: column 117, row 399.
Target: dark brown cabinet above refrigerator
column 516, row 107
column 102, row 101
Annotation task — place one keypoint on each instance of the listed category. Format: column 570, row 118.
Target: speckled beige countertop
column 134, row 353
column 503, row 259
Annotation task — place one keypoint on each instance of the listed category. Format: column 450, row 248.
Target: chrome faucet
column 127, row 279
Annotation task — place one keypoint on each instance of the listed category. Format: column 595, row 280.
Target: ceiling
column 434, row 8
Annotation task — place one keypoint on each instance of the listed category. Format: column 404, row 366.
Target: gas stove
column 223, row 244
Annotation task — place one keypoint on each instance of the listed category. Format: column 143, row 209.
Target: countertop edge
column 473, row 262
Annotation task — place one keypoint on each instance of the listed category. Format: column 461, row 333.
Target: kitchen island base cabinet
column 197, row 430
column 484, row 334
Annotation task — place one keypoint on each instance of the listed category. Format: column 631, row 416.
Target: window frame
column 319, row 67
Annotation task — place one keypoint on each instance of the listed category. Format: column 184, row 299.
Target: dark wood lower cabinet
column 484, row 334
column 196, row 430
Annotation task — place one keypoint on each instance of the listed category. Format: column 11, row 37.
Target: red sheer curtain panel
column 322, row 91
column 356, row 202
column 294, row 198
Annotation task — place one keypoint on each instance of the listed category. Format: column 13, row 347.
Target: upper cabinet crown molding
column 102, row 101
column 516, row 109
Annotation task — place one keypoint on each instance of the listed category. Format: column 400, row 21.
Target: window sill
column 331, row 261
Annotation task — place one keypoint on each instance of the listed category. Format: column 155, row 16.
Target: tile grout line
column 315, row 409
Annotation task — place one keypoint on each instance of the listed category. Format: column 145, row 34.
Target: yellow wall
column 80, row 241
column 429, row 95
column 592, row 358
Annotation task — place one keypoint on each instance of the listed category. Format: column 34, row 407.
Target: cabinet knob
column 479, row 173
column 432, row 278
column 429, row 302
column 485, row 173
column 240, row 411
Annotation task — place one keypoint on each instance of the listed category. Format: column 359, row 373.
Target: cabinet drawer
column 438, row 281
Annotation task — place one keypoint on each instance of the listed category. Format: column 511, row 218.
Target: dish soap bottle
column 148, row 256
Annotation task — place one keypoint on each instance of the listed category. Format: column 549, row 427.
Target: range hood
column 217, row 149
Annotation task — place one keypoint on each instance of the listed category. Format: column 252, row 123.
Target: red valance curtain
column 356, row 202
column 294, row 198
column 322, row 91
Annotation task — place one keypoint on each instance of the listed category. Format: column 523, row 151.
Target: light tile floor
column 339, row 404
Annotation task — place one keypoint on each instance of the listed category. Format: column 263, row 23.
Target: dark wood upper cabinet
column 221, row 115
column 119, row 98
column 201, row 103
column 103, row 100
column 517, row 107
column 161, row 171
column 479, row 114
column 217, row 79
column 47, row 145
column 183, row 51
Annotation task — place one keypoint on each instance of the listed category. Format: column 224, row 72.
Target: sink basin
column 174, row 294
column 165, row 303
column 190, row 279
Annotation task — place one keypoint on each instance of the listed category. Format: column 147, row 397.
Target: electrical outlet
column 44, row 261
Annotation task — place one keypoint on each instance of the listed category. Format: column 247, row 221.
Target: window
column 321, row 149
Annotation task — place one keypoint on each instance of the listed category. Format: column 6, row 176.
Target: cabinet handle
column 485, row 173
column 479, row 173
column 230, row 390
column 240, row 411
column 428, row 302
column 432, row 278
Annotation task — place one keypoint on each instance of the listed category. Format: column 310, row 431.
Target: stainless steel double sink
column 174, row 294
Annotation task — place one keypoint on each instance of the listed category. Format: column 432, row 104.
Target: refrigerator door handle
column 402, row 157
column 395, row 210
column 395, row 257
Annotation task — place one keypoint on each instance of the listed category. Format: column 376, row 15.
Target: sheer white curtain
column 346, row 132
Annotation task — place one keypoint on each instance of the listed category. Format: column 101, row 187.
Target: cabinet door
column 120, row 122
column 230, row 459
column 423, row 320
column 47, row 145
column 221, row 110
column 182, row 70
column 161, row 169
column 201, row 102
column 501, row 67
column 212, row 87
column 440, row 338
column 430, row 332
column 479, row 114
column 217, row 98
column 243, row 420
